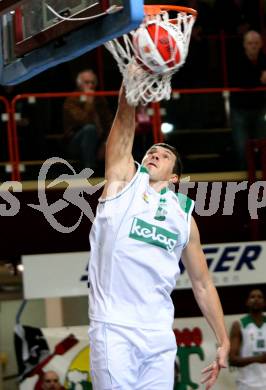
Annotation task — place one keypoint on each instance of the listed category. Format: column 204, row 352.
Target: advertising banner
column 65, row 273
column 230, row 264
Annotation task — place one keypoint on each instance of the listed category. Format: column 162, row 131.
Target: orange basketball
column 157, row 47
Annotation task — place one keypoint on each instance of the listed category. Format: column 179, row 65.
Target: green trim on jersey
column 185, row 202
column 164, row 190
column 245, row 321
column 143, row 169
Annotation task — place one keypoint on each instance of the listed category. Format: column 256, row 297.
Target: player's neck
column 159, row 185
column 257, row 317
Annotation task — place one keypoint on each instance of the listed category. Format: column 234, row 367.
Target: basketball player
column 248, row 345
column 140, row 232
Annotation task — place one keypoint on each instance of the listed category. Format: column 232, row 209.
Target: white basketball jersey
column 136, row 243
column 252, row 376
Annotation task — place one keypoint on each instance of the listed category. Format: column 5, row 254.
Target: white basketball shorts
column 124, row 358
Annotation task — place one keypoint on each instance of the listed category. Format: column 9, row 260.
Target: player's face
column 160, row 163
column 256, row 301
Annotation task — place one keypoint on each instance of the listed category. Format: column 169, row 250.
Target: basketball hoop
column 147, row 78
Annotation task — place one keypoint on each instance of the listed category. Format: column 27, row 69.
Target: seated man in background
column 86, row 122
column 248, row 109
column 50, row 381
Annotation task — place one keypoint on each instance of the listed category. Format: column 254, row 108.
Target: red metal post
column 156, row 122
column 16, row 161
column 10, row 143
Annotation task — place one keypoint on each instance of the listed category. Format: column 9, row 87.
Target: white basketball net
column 143, row 87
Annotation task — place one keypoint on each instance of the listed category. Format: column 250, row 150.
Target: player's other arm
column 208, row 301
column 234, row 355
column 119, row 163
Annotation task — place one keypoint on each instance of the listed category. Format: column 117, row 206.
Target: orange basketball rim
column 157, row 9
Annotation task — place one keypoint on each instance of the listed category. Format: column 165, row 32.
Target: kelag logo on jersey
column 152, row 234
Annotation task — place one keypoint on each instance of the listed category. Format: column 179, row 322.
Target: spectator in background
column 248, row 345
column 50, row 381
column 248, row 109
column 86, row 122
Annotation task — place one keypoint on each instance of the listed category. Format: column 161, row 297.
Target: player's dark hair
column 256, row 289
column 177, row 169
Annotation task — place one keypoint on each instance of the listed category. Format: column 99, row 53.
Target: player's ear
column 174, row 179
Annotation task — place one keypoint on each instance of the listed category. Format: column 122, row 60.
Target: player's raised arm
column 119, row 163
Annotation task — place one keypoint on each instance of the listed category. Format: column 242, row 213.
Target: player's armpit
column 115, row 182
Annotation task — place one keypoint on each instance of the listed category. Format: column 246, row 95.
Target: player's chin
column 154, row 176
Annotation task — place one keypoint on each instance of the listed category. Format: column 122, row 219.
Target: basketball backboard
column 38, row 34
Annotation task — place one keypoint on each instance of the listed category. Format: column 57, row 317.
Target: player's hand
column 212, row 371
